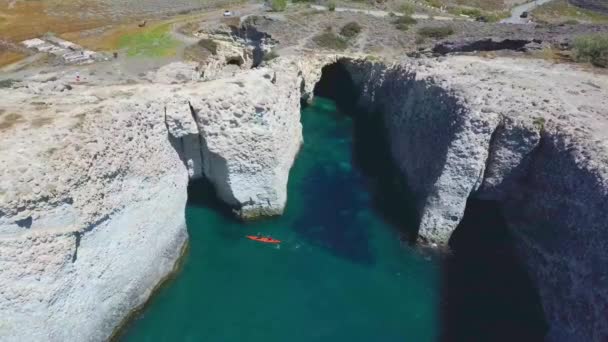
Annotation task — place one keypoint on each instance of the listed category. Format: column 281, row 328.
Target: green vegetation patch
column 434, row 3
column 539, row 122
column 436, row 32
column 330, row 40
column 272, row 54
column 483, row 5
column 592, row 49
column 7, row 83
column 278, row 5
column 41, row 121
column 486, row 5
column 155, row 42
column 479, row 14
column 10, row 120
column 403, row 23
column 351, row 30
column 559, row 11
column 407, row 9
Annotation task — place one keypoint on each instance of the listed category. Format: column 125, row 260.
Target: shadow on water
column 202, row 194
column 371, row 152
column 331, row 195
column 487, row 294
column 332, row 189
column 335, row 225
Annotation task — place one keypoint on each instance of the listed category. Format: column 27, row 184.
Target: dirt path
column 517, row 11
column 381, row 14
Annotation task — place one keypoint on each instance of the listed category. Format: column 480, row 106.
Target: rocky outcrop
column 241, row 47
column 559, row 219
column 178, row 72
column 509, row 131
column 249, row 135
column 93, row 189
column 92, row 200
column 310, row 69
column 486, row 44
column 438, row 141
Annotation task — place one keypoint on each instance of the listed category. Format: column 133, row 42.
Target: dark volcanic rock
column 489, row 44
column 594, row 5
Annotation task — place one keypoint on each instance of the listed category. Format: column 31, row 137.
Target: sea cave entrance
column 485, row 292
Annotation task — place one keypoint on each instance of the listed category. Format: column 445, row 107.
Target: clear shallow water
column 341, row 273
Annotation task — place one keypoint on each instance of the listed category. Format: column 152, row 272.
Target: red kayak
column 263, row 239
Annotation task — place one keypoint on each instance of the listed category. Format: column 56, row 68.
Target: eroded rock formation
column 93, row 185
column 249, row 135
column 93, row 189
column 512, row 132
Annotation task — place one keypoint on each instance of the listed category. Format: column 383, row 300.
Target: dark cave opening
column 238, row 61
column 486, row 293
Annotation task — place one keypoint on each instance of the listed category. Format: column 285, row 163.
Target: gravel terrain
column 594, row 5
column 379, row 35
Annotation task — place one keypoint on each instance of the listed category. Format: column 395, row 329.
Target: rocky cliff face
column 93, row 188
column 438, row 141
column 91, row 212
column 244, row 139
column 516, row 133
column 559, row 218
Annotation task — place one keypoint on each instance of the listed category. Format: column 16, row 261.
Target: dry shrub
column 10, row 120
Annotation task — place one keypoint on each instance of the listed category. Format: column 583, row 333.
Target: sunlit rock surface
column 93, row 188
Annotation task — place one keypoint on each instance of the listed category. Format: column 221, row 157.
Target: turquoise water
column 341, row 272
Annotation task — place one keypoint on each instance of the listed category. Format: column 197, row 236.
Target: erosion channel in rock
column 346, row 268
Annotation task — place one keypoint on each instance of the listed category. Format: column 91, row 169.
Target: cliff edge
column 94, row 188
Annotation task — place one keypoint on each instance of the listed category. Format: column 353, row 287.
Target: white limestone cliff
column 249, row 134
column 527, row 134
column 92, row 200
column 93, row 189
